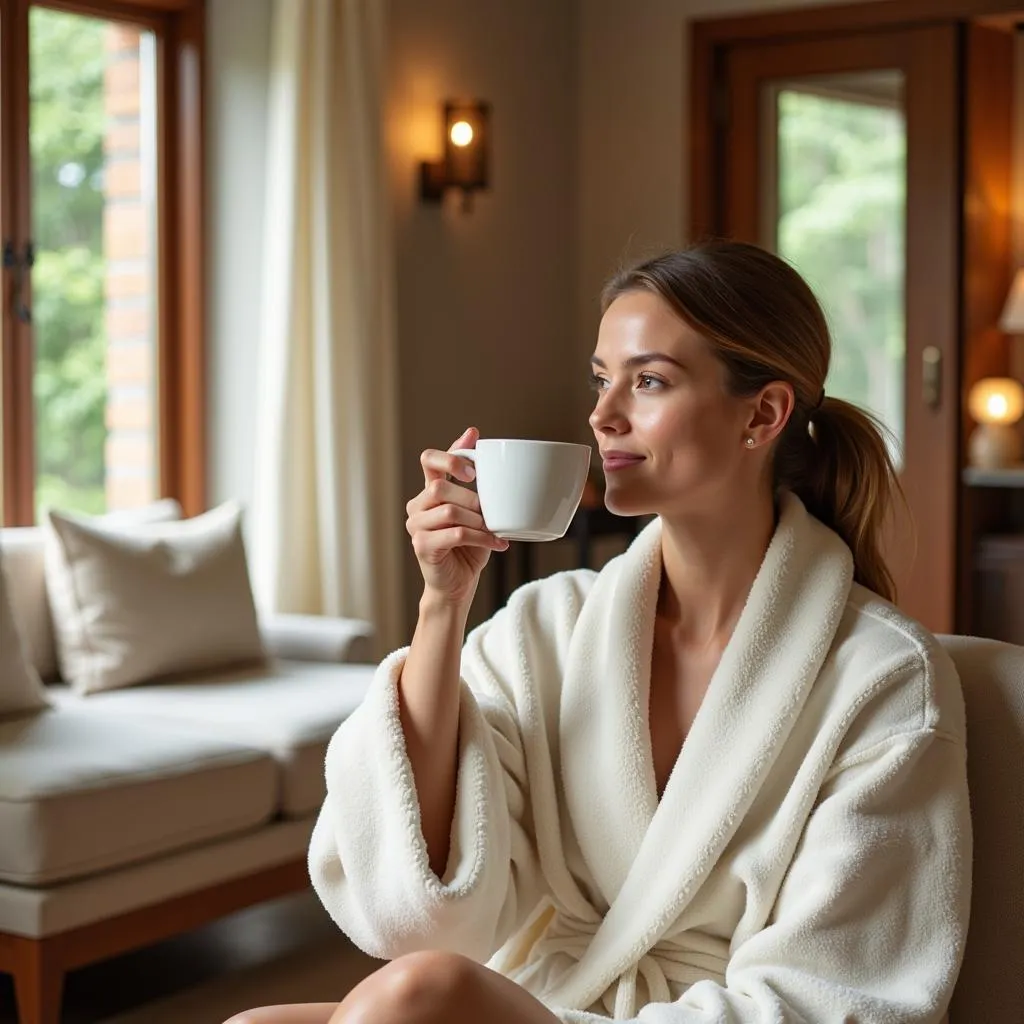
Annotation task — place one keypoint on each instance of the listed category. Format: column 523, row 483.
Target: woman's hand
column 452, row 544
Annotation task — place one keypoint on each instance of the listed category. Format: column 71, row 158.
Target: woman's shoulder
column 894, row 670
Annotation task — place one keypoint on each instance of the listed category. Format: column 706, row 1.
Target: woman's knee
column 419, row 988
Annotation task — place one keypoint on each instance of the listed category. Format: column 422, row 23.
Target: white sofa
column 130, row 815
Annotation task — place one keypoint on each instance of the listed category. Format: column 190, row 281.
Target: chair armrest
column 316, row 638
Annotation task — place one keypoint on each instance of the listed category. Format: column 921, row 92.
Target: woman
column 722, row 780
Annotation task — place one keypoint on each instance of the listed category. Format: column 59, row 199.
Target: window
column 100, row 154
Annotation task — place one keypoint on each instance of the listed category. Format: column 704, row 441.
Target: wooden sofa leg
column 38, row 982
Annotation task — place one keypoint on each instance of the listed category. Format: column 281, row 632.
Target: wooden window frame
column 179, row 28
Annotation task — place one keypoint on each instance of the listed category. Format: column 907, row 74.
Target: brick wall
column 128, row 243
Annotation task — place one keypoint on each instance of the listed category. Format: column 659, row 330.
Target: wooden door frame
column 983, row 232
column 710, row 39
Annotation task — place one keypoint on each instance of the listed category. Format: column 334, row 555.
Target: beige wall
column 485, row 299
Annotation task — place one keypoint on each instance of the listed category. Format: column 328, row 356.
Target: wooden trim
column 191, row 436
column 39, row 965
column 153, row 924
column 704, row 138
column 111, row 10
column 127, row 10
column 182, row 365
column 17, row 351
column 933, row 260
column 875, row 15
column 171, row 6
column 987, row 265
column 747, row 68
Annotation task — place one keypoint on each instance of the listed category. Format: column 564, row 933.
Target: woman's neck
column 710, row 562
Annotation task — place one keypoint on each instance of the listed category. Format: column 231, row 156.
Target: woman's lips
column 612, row 461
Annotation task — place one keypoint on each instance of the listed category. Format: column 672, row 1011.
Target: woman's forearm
column 429, row 708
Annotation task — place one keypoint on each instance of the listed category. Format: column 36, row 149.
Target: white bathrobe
column 809, row 860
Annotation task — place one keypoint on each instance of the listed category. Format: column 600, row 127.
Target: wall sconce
column 466, row 144
column 996, row 404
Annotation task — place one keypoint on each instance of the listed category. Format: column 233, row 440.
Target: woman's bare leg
column 439, row 988
column 293, row 1013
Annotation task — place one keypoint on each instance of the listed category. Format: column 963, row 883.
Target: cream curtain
column 326, row 520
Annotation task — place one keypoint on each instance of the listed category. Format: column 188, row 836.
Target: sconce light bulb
column 462, row 133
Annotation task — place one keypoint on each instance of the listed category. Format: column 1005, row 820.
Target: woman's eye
column 597, row 383
column 645, row 382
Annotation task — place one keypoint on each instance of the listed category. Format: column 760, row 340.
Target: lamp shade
column 1012, row 320
column 996, row 400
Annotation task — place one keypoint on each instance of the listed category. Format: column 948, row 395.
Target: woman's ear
column 772, row 407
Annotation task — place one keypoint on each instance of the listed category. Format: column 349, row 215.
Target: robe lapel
column 608, row 774
column 762, row 681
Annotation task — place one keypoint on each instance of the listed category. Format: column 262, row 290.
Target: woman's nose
column 606, row 416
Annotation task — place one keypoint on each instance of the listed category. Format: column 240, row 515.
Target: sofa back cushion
column 22, row 551
column 132, row 606
column 991, row 982
column 21, row 690
column 22, row 548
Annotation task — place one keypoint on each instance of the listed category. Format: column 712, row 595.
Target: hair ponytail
column 840, row 468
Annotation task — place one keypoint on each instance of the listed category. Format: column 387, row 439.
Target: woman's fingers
column 442, row 492
column 440, row 516
column 437, row 464
column 438, row 544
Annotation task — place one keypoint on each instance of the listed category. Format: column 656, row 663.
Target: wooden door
column 842, row 154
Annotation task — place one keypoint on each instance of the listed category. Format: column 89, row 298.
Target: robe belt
column 678, row 961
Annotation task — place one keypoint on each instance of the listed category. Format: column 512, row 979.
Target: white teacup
column 529, row 490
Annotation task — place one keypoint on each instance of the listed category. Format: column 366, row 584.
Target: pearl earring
column 750, row 442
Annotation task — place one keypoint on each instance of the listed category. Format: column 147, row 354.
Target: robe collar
column 649, row 858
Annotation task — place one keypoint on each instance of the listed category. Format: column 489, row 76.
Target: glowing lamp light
column 995, row 404
column 461, row 133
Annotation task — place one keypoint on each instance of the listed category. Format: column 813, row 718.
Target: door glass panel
column 836, row 209
column 92, row 139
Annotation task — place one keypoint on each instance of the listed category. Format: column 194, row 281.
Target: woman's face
column 670, row 435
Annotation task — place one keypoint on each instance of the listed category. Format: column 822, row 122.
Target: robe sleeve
column 368, row 859
column 871, row 919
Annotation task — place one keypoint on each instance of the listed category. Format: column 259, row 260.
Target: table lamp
column 996, row 404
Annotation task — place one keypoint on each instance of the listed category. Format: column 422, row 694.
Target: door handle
column 931, row 376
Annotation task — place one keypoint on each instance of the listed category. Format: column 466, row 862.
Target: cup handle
column 464, row 453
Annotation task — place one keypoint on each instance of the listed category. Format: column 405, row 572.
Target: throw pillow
column 22, row 548
column 163, row 598
column 21, row 690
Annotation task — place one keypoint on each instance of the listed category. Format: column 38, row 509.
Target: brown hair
column 764, row 323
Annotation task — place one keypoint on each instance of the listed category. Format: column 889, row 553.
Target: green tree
column 67, row 119
column 841, row 203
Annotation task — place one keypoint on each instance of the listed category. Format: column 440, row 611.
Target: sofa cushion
column 130, row 606
column 288, row 709
column 991, row 983
column 81, row 793
column 23, row 551
column 21, row 690
column 37, row 912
